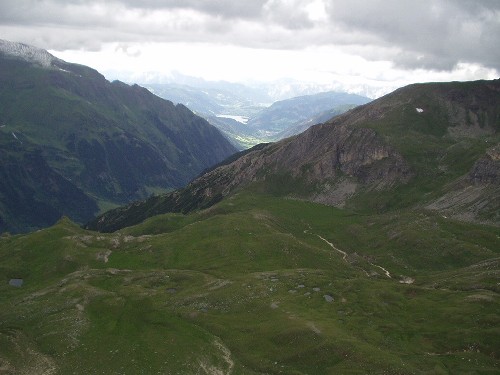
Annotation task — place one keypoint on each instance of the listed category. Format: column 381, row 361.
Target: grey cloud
column 288, row 14
column 223, row 8
column 429, row 34
column 15, row 10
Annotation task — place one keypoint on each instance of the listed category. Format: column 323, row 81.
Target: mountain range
column 74, row 143
column 432, row 145
column 243, row 115
column 368, row 244
column 294, row 115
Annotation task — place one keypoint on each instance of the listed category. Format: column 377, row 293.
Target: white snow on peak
column 419, row 110
column 27, row 53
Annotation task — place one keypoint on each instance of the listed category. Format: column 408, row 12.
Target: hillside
column 271, row 122
column 243, row 272
column 254, row 285
column 426, row 145
column 93, row 144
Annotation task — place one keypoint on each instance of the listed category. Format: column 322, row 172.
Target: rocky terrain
column 420, row 139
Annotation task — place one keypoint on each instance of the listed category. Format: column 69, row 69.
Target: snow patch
column 65, row 71
column 419, row 110
column 27, row 53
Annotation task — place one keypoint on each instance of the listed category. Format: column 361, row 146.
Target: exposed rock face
column 485, row 171
column 321, row 154
column 476, row 196
column 413, row 139
column 473, row 112
column 27, row 53
column 333, row 160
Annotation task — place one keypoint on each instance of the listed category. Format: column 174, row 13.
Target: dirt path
column 382, row 268
column 226, row 355
column 344, row 254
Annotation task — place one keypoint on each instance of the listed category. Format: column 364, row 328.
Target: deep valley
column 368, row 243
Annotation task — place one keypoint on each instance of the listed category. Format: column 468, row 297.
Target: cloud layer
column 426, row 34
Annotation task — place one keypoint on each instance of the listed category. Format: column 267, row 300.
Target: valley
column 365, row 244
column 75, row 144
column 248, row 116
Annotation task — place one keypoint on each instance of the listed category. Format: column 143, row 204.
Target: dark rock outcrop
column 487, row 169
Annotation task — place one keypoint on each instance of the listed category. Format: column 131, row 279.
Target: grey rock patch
column 328, row 298
column 16, row 282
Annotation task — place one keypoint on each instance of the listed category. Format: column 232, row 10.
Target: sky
column 369, row 47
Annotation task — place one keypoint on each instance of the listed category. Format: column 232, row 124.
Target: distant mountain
column 72, row 142
column 257, row 122
column 302, row 112
column 301, row 126
column 427, row 145
column 217, row 98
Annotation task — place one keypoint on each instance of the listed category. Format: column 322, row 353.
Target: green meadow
column 254, row 285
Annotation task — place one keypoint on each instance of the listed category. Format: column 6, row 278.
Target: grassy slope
column 113, row 142
column 231, row 288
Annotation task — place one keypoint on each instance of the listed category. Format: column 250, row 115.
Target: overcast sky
column 364, row 46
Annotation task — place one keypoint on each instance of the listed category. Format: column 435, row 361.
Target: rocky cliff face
column 476, row 195
column 411, row 147
column 321, row 154
column 487, row 169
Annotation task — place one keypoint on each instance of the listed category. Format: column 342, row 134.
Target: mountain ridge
column 28, row 53
column 258, row 122
column 112, row 141
column 356, row 159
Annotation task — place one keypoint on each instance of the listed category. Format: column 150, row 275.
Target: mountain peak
column 27, row 53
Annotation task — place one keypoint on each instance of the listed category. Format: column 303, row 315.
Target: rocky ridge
column 412, row 139
column 28, row 53
column 110, row 143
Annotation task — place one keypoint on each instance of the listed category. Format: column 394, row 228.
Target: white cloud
column 369, row 45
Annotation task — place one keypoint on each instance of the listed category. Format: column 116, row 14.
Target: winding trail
column 226, row 356
column 382, row 268
column 344, row 255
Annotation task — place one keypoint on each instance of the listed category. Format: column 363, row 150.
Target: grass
column 240, row 288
